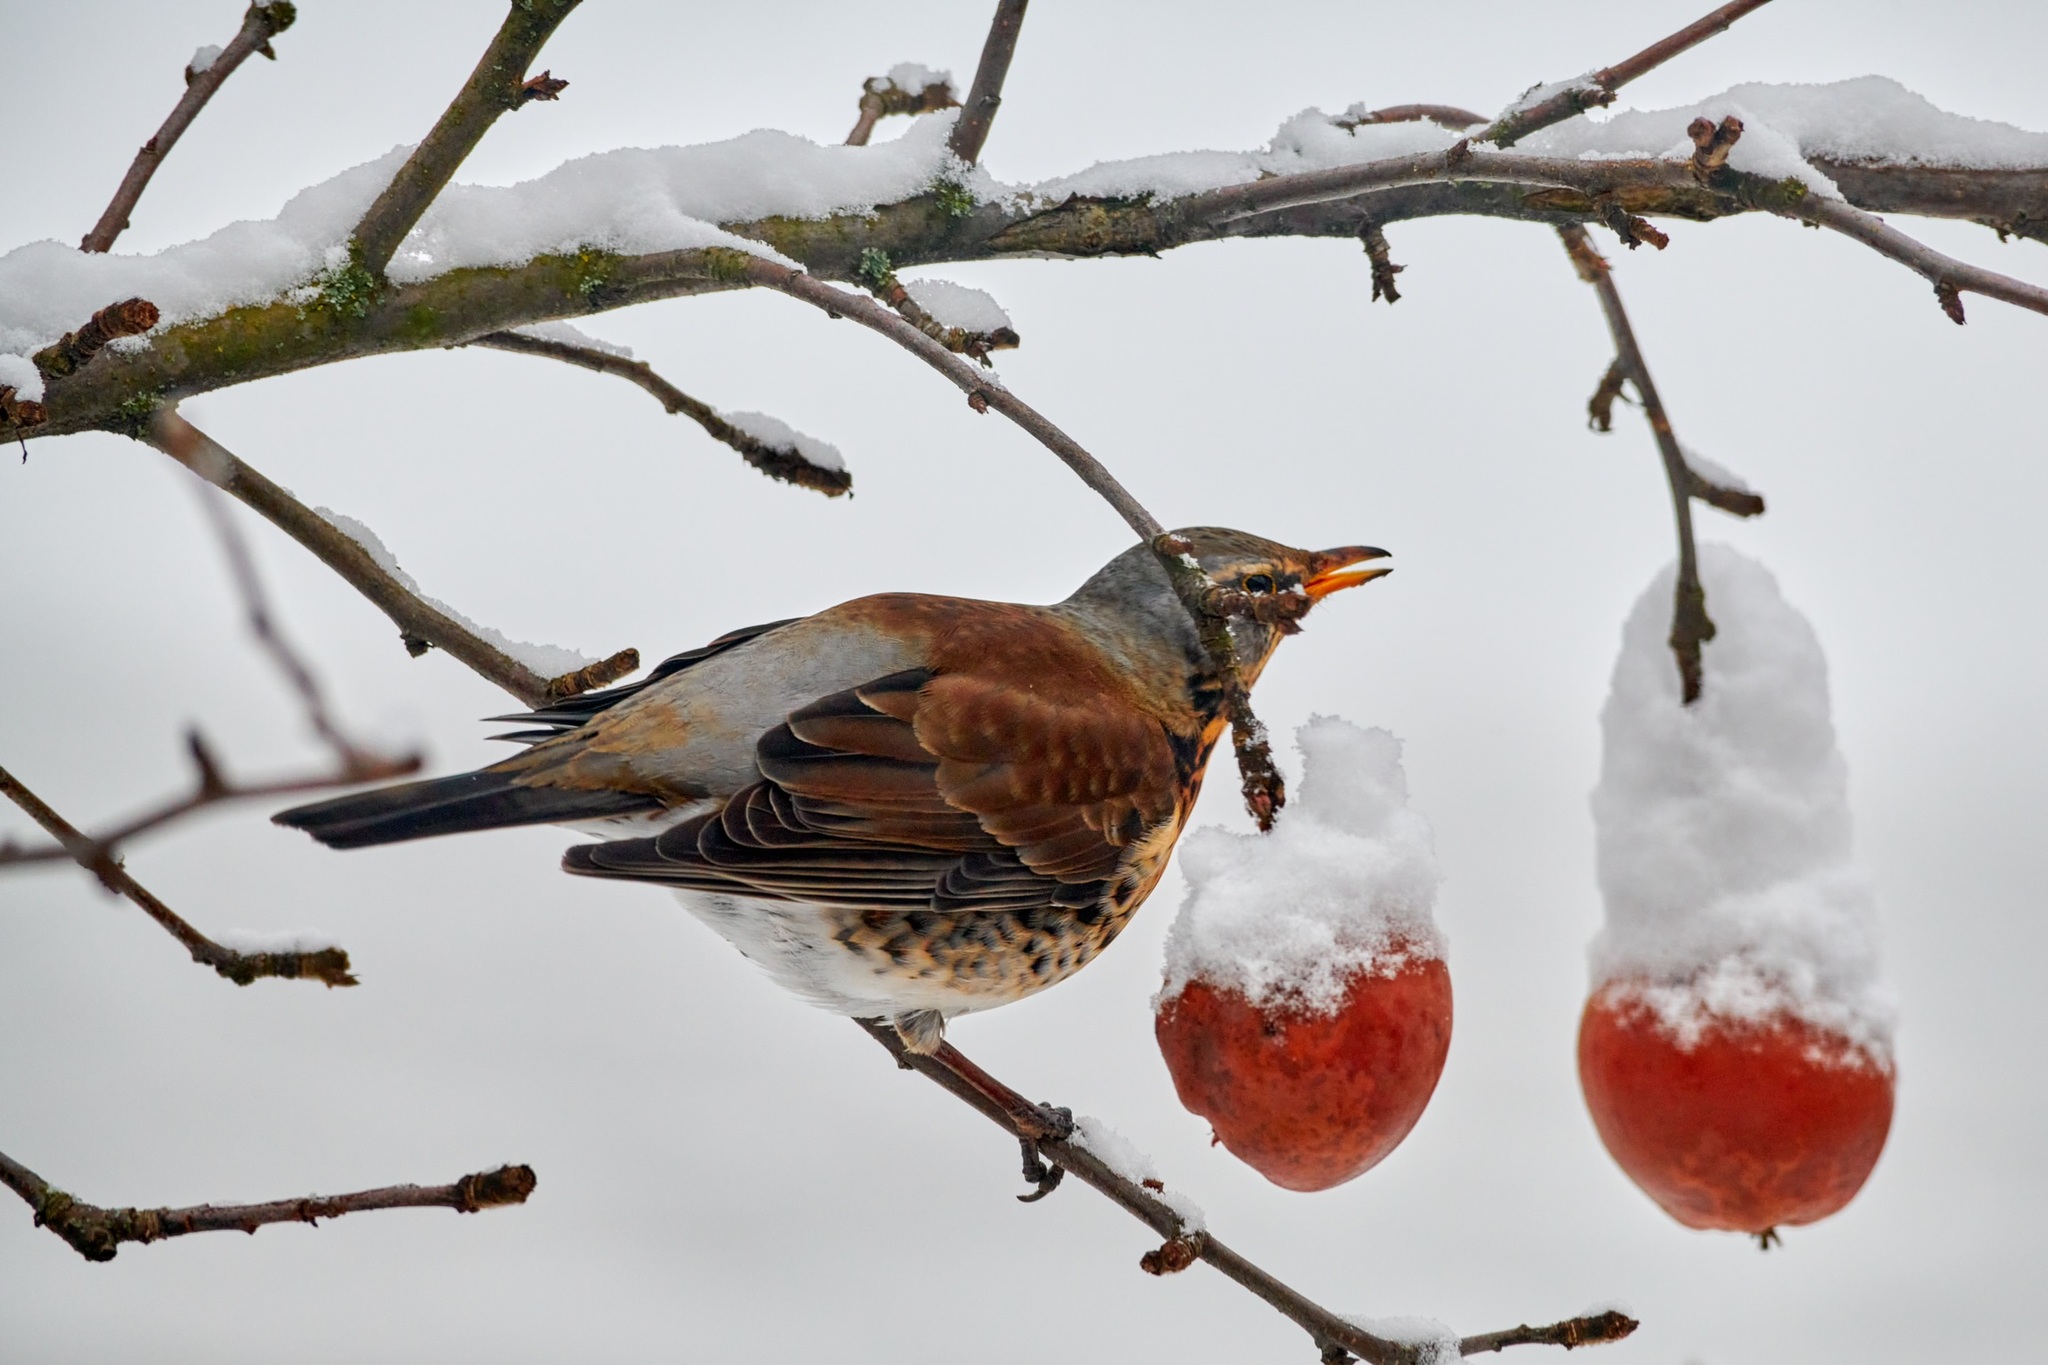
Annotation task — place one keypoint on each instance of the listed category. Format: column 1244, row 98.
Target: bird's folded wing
column 954, row 791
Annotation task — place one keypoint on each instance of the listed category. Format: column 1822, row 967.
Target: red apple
column 1752, row 1126
column 1311, row 1100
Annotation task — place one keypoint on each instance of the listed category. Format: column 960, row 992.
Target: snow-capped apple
column 1736, row 1051
column 1307, row 1008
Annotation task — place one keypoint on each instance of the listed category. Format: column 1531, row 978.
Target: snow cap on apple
column 1344, row 884
column 1723, row 827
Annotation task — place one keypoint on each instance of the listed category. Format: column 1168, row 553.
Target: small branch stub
column 75, row 350
column 1711, row 143
column 881, row 97
column 1383, row 267
column 545, row 86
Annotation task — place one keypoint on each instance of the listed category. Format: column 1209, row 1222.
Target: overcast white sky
column 725, row 1174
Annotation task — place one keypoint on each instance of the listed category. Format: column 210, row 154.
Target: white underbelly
column 793, row 944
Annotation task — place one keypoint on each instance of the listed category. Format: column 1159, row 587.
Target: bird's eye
column 1259, row 583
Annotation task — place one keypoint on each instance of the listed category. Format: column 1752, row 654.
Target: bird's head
column 1134, row 583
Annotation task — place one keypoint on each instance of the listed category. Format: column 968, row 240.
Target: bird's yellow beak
column 1323, row 575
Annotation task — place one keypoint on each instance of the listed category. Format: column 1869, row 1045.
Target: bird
column 905, row 807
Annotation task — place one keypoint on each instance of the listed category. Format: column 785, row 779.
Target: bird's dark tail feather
column 486, row 799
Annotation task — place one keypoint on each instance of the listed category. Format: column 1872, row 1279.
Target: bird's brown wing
column 946, row 791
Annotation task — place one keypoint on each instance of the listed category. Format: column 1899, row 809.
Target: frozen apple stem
column 1047, row 1136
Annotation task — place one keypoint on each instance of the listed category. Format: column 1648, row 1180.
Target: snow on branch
column 242, row 964
column 787, row 454
column 98, row 1233
column 1100, row 1159
column 208, row 71
column 963, row 320
column 535, row 674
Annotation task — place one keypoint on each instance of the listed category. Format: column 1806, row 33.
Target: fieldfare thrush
column 906, row 806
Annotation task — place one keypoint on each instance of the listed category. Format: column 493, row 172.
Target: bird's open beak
column 1330, row 570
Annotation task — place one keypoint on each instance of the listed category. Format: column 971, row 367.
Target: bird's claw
column 1045, row 1178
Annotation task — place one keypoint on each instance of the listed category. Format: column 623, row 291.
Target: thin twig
column 259, row 25
column 1691, row 627
column 1459, row 162
column 1050, row 1134
column 97, row 1233
column 213, row 788
column 1443, row 115
column 1949, row 276
column 986, row 94
column 881, row 97
column 497, row 86
column 328, row 965
column 777, row 462
column 1599, row 88
column 983, row 389
column 256, row 605
column 416, row 620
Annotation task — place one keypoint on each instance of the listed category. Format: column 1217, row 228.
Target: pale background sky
column 726, row 1174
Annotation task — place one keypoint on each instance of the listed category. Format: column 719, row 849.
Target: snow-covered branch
column 533, row 674
column 1547, row 104
column 787, row 455
column 98, row 1233
column 207, row 72
column 497, row 86
column 1104, row 1163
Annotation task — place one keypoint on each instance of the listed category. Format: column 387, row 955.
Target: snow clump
column 1723, row 827
column 958, row 305
column 780, row 436
column 1118, row 1153
column 562, row 334
column 19, row 373
column 1344, row 885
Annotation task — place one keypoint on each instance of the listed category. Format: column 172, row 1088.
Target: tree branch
column 1049, row 1133
column 1691, row 627
column 328, row 965
column 1949, row 276
column 418, row 622
column 986, row 94
column 259, row 25
column 777, row 462
column 1600, row 87
column 97, row 1234
column 283, row 336
column 497, row 86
